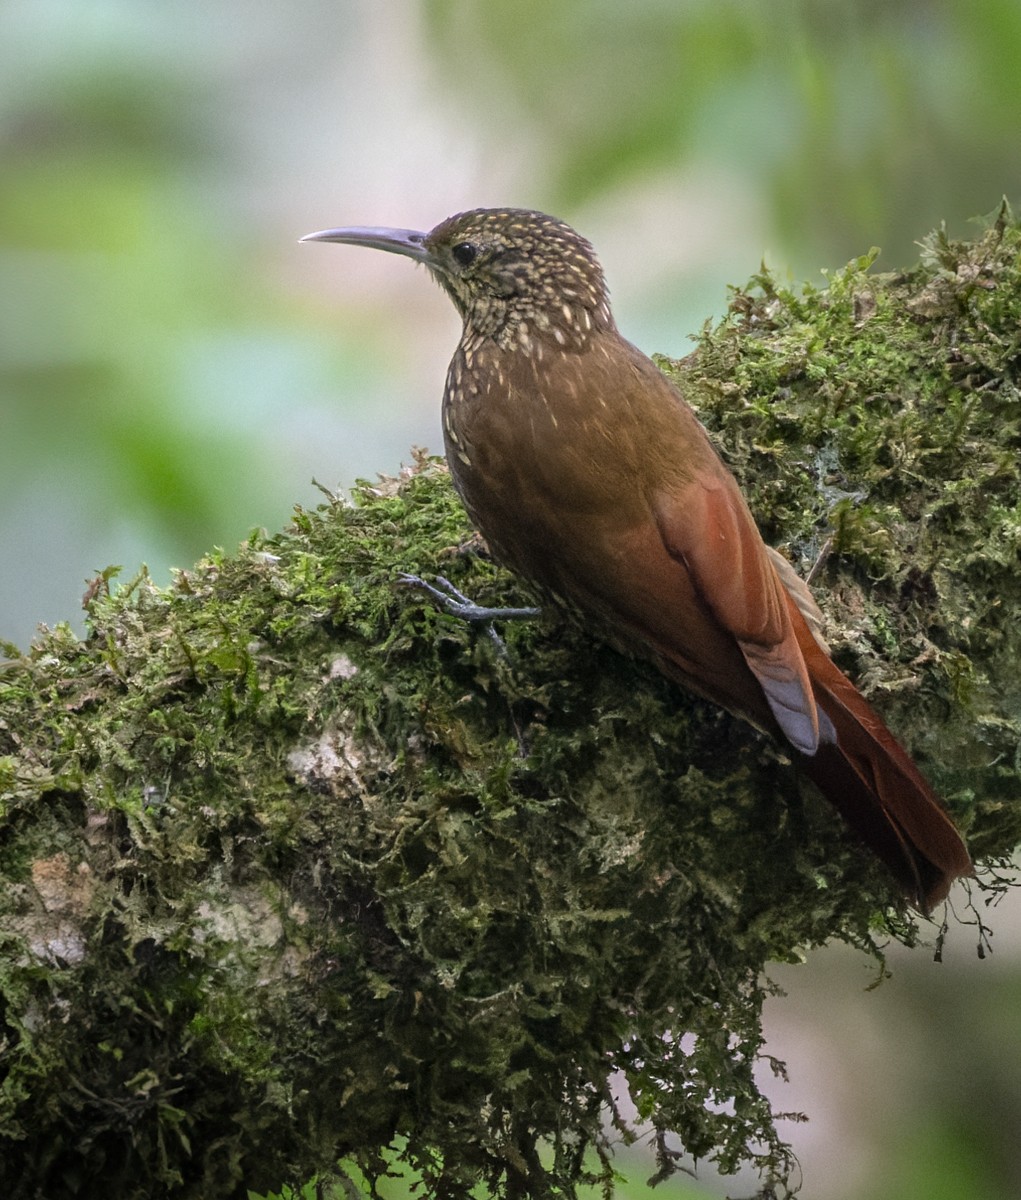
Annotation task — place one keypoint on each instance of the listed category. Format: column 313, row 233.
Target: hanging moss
column 298, row 867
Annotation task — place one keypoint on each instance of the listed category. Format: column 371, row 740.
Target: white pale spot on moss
column 342, row 668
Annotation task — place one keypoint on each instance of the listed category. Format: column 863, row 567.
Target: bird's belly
column 528, row 473
column 596, row 545
column 556, row 504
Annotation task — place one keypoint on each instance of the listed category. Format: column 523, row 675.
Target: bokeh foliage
column 861, row 122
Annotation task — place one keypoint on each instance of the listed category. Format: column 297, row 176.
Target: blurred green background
column 175, row 368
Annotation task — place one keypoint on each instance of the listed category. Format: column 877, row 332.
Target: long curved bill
column 409, row 242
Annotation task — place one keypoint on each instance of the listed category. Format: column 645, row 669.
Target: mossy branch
column 298, row 868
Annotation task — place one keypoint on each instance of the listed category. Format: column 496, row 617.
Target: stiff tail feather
column 867, row 775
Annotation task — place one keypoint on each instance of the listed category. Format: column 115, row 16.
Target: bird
column 587, row 472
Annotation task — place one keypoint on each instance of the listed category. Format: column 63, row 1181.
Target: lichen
column 339, row 877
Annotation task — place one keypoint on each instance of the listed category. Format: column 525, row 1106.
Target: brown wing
column 848, row 751
column 707, row 526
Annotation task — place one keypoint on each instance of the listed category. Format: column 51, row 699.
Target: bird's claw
column 455, row 602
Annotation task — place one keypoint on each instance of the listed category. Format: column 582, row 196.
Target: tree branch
column 299, row 867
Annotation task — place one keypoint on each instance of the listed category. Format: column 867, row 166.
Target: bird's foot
column 455, row 602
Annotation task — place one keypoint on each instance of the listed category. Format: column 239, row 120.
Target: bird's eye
column 465, row 253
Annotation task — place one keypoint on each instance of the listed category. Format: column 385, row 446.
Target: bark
column 299, row 869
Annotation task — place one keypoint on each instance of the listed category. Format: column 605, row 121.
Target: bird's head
column 515, row 276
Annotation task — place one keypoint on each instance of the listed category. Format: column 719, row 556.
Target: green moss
column 298, row 867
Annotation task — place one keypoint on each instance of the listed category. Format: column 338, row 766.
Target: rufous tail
column 869, row 778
